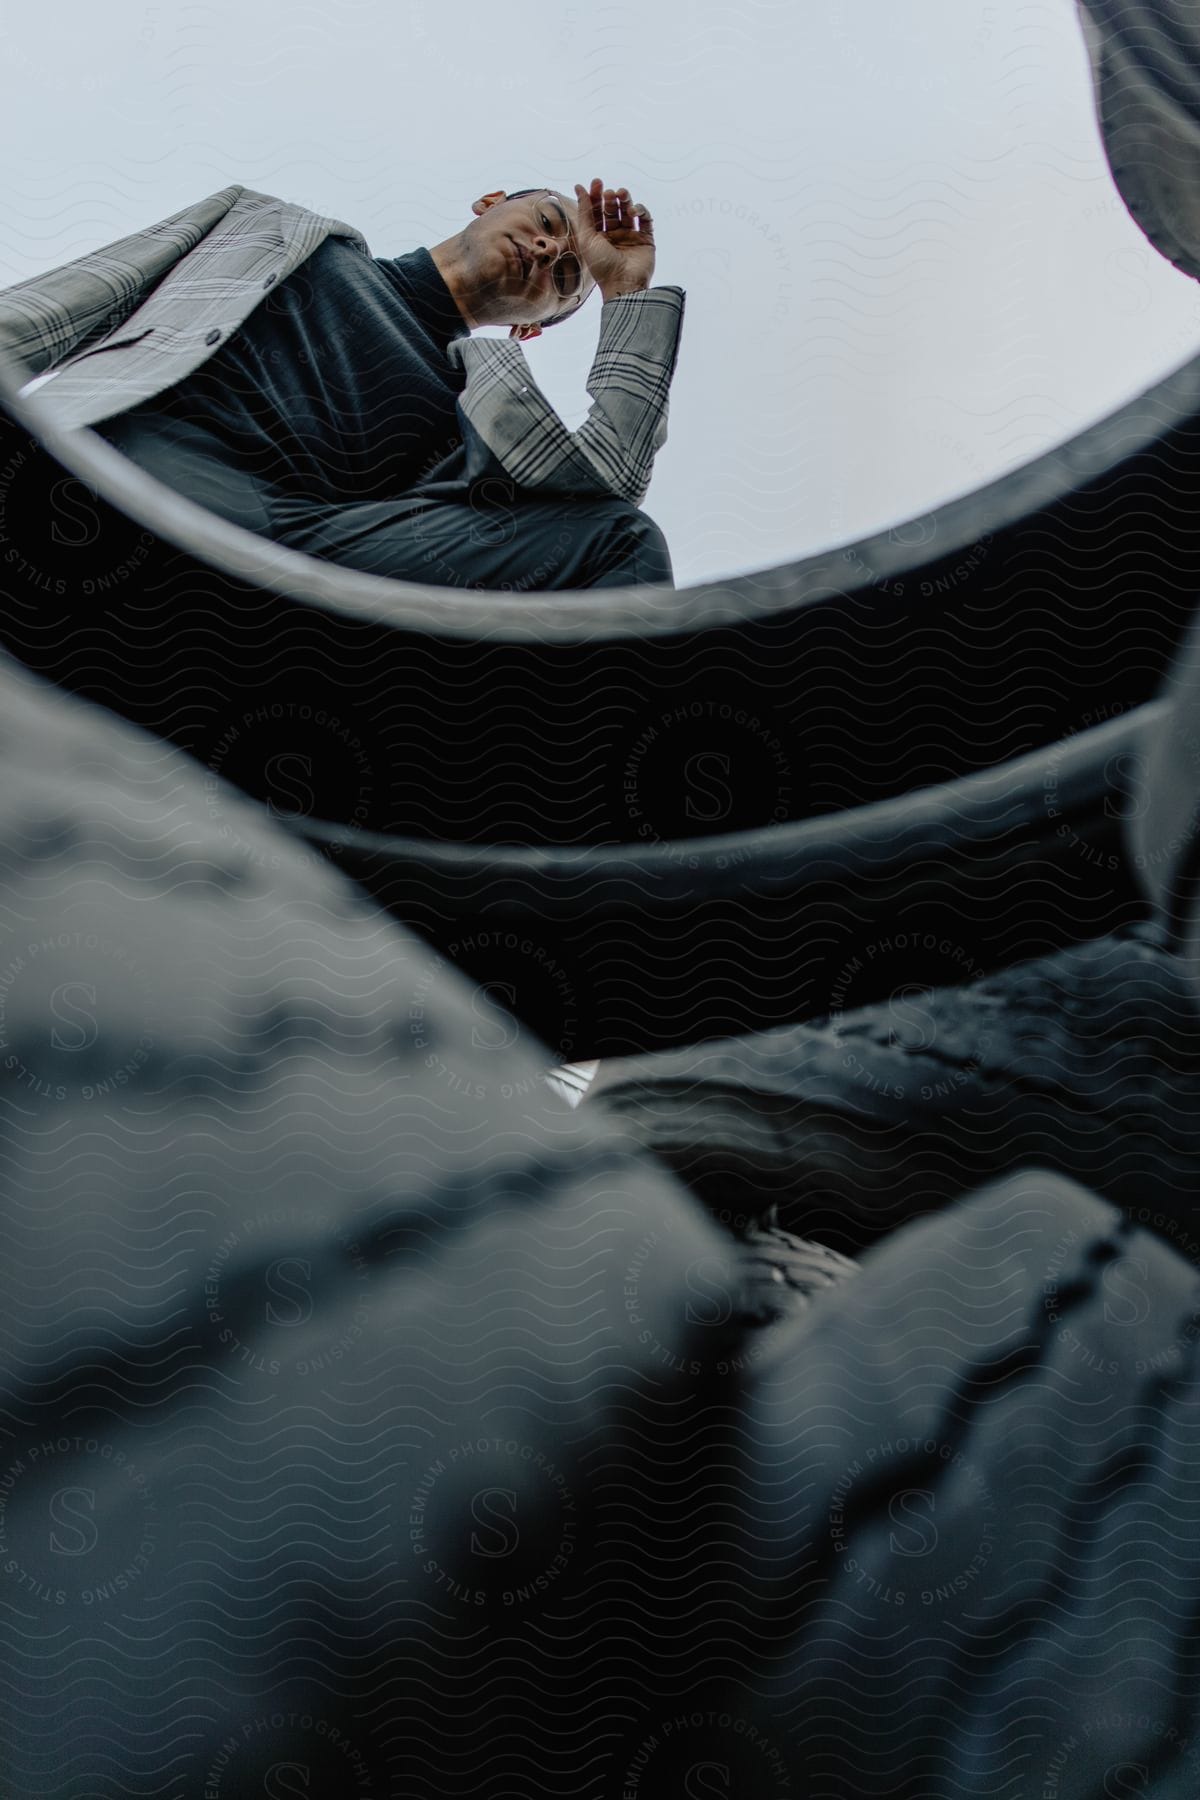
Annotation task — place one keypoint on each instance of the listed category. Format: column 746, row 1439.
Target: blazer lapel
column 52, row 316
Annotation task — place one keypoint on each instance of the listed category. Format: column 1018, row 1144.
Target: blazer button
column 212, row 337
column 270, row 281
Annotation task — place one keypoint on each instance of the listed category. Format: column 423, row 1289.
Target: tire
column 586, row 942
column 1086, row 1062
column 285, row 1244
column 973, row 1485
column 620, row 716
column 1164, row 832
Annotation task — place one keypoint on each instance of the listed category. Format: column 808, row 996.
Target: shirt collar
column 429, row 296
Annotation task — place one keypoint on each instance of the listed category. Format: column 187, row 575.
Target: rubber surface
column 304, row 1286
column 372, row 1420
column 611, row 952
column 630, row 716
column 974, row 1492
column 1086, row 1061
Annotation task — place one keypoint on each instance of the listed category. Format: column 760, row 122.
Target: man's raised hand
column 616, row 238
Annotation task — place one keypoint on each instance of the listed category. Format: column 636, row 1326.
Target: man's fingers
column 611, row 209
column 589, row 207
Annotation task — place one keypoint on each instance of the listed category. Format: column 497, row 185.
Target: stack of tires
column 811, row 1410
column 646, row 818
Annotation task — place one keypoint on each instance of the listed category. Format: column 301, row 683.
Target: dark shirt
column 337, row 387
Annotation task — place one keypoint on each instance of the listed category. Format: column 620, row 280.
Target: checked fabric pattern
column 129, row 320
column 614, row 449
column 119, row 326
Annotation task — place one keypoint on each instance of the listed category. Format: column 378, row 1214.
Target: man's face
column 527, row 261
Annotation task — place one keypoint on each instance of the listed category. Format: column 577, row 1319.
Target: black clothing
column 524, row 543
column 337, row 387
column 329, row 423
column 496, row 537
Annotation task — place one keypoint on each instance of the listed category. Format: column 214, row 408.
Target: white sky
column 906, row 265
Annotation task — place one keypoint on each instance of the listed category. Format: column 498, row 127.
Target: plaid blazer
column 1145, row 67
column 613, row 451
column 124, row 323
column 119, row 326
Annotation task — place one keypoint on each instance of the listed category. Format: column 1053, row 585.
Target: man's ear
column 524, row 332
column 480, row 206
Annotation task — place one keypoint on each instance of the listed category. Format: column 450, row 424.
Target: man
column 340, row 404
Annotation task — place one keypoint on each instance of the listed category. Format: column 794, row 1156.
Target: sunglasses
column 568, row 270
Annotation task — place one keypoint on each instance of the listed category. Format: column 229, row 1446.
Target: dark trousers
column 498, row 537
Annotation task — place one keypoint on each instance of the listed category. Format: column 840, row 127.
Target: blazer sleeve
column 613, row 450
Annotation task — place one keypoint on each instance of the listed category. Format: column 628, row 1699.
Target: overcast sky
column 907, row 269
